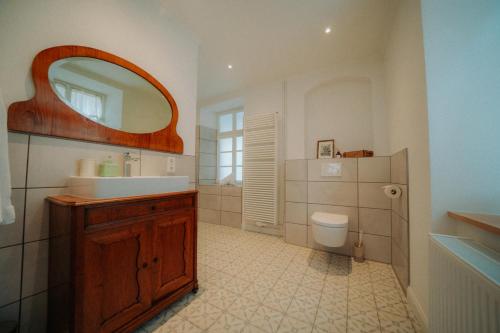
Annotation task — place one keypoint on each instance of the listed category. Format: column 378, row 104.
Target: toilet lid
column 330, row 220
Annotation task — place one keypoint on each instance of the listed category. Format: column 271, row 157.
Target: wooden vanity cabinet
column 116, row 263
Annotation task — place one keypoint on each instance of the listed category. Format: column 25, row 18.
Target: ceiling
column 268, row 40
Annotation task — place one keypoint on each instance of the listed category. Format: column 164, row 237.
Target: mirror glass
column 110, row 95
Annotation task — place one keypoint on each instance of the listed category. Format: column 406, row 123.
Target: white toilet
column 329, row 229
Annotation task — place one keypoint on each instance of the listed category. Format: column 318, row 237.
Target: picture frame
column 325, row 149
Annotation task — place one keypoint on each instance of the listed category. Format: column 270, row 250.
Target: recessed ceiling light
column 328, row 30
column 230, row 66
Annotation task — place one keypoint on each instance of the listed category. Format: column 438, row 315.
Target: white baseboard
column 417, row 309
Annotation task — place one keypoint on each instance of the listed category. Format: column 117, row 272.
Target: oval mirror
column 110, row 95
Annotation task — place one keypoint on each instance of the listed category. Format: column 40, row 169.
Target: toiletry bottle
column 109, row 168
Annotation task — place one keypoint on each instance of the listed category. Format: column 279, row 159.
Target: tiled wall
column 40, row 167
column 207, row 155
column 220, row 204
column 357, row 193
column 400, row 218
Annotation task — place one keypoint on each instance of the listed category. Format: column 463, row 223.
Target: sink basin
column 111, row 187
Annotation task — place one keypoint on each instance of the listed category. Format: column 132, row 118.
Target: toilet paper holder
column 392, row 191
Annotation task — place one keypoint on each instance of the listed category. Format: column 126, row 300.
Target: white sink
column 110, row 187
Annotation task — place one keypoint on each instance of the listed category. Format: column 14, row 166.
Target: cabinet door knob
column 145, row 265
column 155, row 260
column 153, row 207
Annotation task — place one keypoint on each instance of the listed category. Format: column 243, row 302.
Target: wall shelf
column 486, row 222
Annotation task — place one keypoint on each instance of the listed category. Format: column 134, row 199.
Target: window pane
column 224, row 172
column 239, row 120
column 226, row 144
column 239, row 158
column 87, row 104
column 239, row 143
column 226, row 123
column 226, row 159
column 61, row 89
column 239, row 174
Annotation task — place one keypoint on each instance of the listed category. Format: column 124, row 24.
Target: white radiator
column 260, row 165
column 464, row 286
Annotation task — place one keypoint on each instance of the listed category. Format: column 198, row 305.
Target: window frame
column 233, row 134
column 71, row 86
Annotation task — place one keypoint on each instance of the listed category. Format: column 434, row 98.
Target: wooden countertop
column 486, row 222
column 71, row 200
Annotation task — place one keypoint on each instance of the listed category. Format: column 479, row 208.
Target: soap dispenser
column 109, row 168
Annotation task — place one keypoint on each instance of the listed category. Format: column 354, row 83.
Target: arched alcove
column 339, row 109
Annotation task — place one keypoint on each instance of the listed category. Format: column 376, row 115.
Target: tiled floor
column 251, row 282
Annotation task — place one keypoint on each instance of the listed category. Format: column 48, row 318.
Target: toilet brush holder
column 358, row 252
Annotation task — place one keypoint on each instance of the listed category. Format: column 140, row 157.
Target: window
column 88, row 103
column 230, row 145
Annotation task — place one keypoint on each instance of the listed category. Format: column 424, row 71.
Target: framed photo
column 325, row 149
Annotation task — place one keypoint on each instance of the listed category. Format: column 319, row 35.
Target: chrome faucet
column 127, row 164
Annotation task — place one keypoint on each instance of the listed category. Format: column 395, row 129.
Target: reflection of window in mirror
column 230, row 146
column 87, row 102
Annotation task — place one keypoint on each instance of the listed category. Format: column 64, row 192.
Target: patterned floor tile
column 267, row 319
column 292, row 325
column 255, row 283
column 227, row 323
column 395, row 324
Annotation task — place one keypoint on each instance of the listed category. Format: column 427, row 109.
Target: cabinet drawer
column 110, row 213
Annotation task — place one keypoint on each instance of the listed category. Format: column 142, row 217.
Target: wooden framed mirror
column 87, row 94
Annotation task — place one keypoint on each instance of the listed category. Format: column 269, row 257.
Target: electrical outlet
column 171, row 165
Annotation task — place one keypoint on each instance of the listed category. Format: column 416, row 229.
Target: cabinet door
column 116, row 276
column 173, row 248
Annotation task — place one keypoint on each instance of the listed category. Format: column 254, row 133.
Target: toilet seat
column 330, row 220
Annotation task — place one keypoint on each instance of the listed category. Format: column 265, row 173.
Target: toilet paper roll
column 392, row 191
column 87, row 168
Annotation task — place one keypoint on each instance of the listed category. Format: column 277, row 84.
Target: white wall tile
column 400, row 265
column 209, row 189
column 208, row 133
column 374, row 169
column 37, row 213
column 35, row 267
column 371, row 195
column 400, row 233
column 209, row 215
column 10, row 274
column 230, row 219
column 11, row 234
column 53, row 160
column 296, row 191
column 18, row 157
column 399, row 167
column 234, row 191
column 231, row 204
column 296, row 234
column 154, row 163
column 209, row 201
column 207, row 146
column 296, row 212
column 377, row 248
column 351, row 212
column 333, row 193
column 349, row 170
column 400, row 205
column 34, row 314
column 208, row 172
column 375, row 221
column 185, row 166
column 296, row 170
column 208, row 159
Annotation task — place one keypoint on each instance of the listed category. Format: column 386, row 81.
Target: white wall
column 298, row 88
column 134, row 30
column 407, row 110
column 462, row 55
